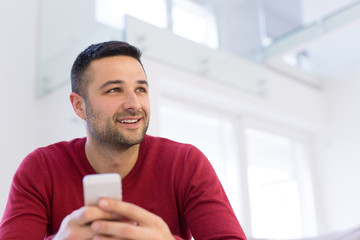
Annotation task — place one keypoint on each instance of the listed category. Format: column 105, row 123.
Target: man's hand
column 137, row 223
column 76, row 226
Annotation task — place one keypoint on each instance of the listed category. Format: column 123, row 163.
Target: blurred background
column 267, row 89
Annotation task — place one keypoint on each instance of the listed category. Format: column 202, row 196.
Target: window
column 189, row 19
column 278, row 186
column 213, row 134
column 194, row 22
column 112, row 12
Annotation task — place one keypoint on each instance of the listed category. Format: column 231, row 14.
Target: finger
column 78, row 232
column 101, row 237
column 70, row 228
column 88, row 214
column 118, row 230
column 128, row 210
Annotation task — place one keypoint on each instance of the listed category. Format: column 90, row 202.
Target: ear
column 78, row 105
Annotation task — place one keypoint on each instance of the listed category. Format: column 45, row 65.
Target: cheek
column 101, row 109
column 108, row 104
column 145, row 104
column 110, row 107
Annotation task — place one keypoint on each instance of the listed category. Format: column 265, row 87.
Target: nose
column 131, row 102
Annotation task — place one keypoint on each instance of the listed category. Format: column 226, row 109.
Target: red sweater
column 172, row 180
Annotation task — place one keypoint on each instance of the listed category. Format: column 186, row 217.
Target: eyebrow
column 111, row 82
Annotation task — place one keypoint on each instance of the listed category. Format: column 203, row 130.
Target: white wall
column 286, row 101
column 19, row 114
column 339, row 163
column 28, row 122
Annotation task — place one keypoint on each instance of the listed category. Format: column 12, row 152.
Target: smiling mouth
column 129, row 121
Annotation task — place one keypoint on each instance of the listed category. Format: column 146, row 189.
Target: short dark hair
column 79, row 82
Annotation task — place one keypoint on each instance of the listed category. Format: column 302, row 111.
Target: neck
column 108, row 159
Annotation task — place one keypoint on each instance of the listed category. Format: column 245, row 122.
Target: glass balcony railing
column 62, row 38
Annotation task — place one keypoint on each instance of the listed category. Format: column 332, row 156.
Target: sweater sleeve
column 25, row 215
column 206, row 207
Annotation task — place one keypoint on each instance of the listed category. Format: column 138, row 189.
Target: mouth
column 130, row 122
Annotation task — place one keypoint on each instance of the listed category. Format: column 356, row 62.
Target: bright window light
column 112, row 12
column 276, row 173
column 195, row 23
column 212, row 134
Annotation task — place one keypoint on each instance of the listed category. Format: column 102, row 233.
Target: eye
column 141, row 90
column 113, row 90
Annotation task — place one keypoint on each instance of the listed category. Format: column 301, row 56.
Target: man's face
column 117, row 105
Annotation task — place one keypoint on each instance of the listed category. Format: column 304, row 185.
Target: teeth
column 128, row 121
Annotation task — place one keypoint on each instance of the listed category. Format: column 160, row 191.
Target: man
column 169, row 189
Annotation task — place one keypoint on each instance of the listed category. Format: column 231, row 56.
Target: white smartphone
column 101, row 185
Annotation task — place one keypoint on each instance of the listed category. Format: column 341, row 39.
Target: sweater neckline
column 88, row 169
column 137, row 167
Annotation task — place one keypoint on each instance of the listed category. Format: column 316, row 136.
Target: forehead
column 123, row 68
